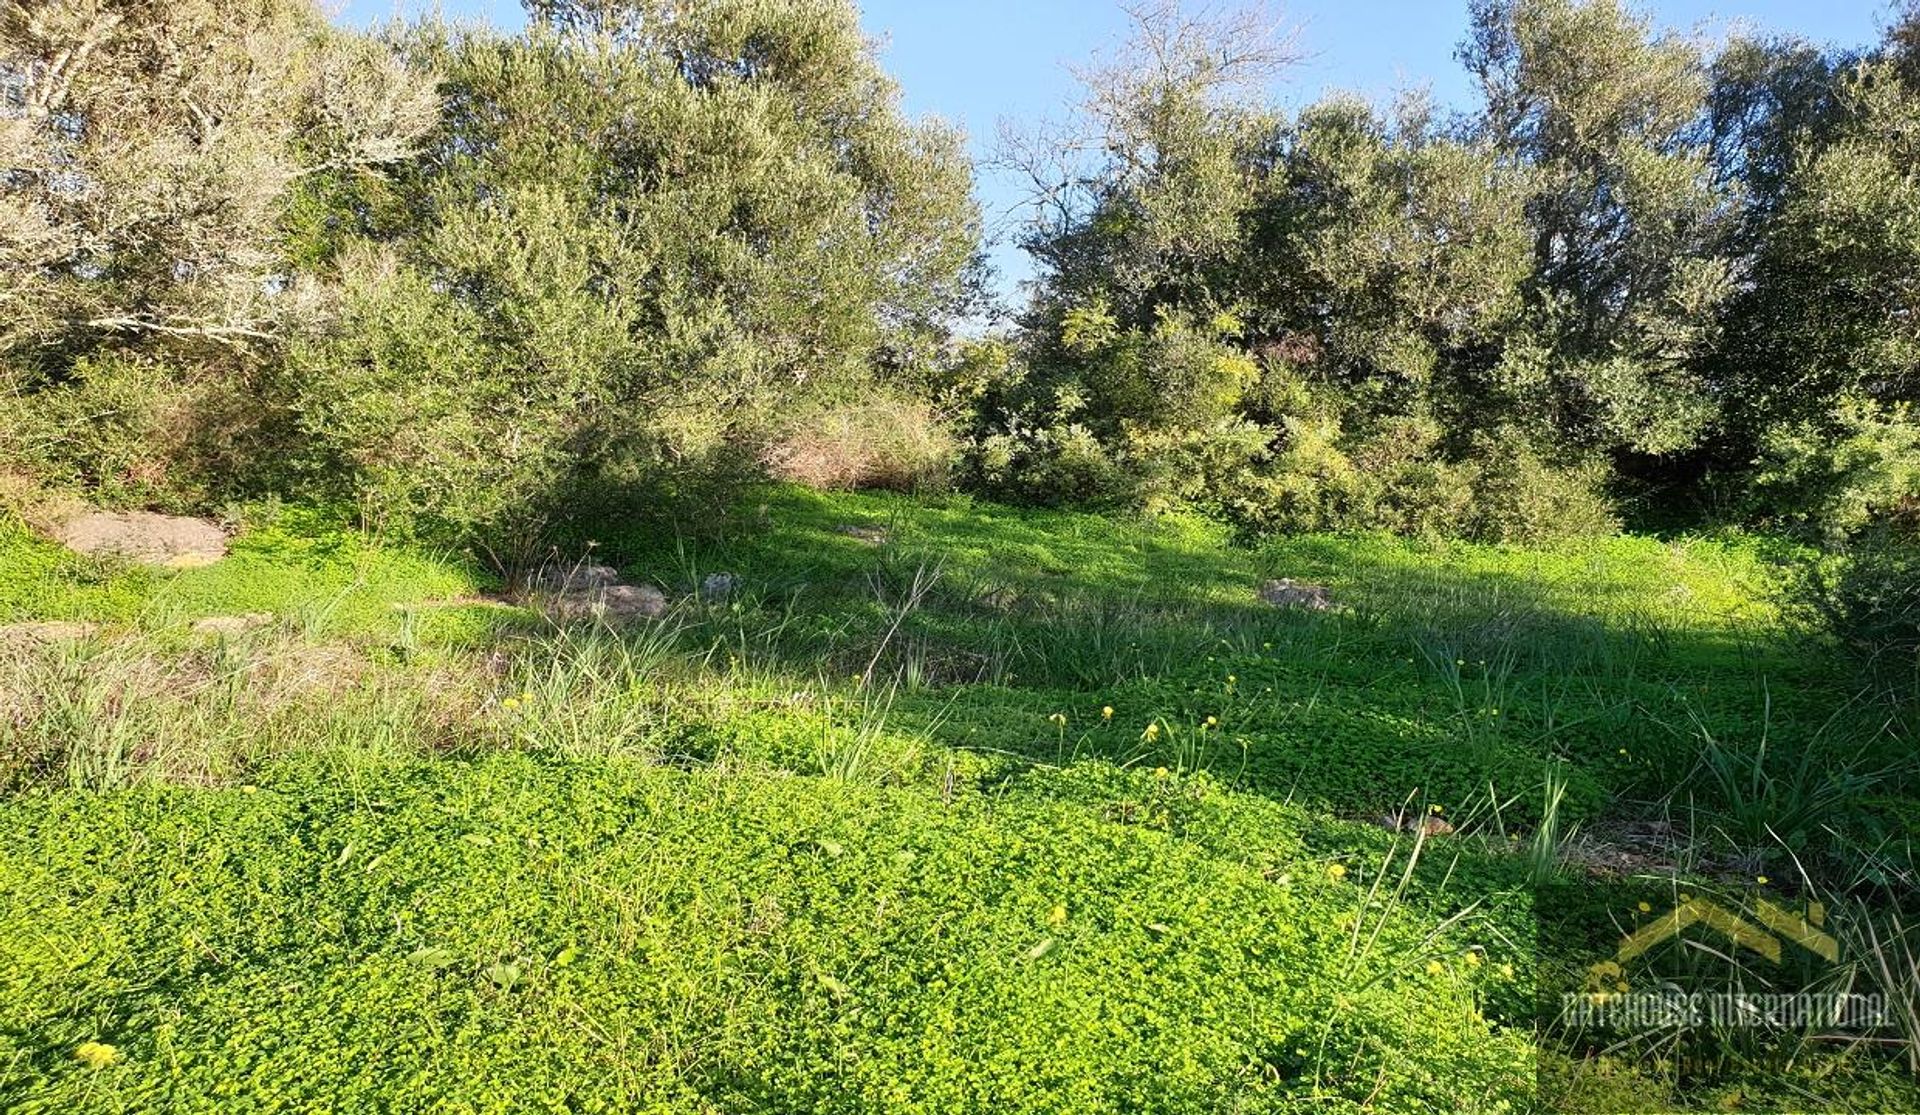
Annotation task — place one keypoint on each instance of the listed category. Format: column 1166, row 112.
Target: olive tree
column 659, row 226
column 149, row 151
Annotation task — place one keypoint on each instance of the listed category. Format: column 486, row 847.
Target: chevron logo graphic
column 1777, row 929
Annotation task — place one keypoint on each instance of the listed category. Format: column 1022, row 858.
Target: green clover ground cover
column 943, row 807
column 514, row 934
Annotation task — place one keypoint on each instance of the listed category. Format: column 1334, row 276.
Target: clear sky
column 976, row 62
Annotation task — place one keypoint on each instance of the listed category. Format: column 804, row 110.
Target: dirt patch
column 46, row 631
column 168, row 541
column 225, row 626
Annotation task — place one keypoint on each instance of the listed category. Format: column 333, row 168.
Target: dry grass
column 886, row 444
column 33, row 503
column 113, row 709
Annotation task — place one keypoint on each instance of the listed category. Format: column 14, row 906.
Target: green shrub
column 1838, row 475
column 1520, row 497
column 1869, row 595
column 407, row 412
column 1052, row 466
column 129, row 430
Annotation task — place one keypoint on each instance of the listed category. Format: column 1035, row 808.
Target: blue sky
column 976, row 62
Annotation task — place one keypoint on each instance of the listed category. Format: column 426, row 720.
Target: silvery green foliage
column 639, row 234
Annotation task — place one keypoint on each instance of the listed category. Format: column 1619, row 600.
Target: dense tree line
column 1640, row 275
column 481, row 284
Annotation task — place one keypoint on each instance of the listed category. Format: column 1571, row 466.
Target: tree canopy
column 477, row 284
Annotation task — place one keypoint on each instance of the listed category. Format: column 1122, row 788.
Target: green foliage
column 199, row 156
column 115, row 428
column 962, row 957
column 1403, row 323
column 681, row 240
column 407, row 412
column 1822, row 348
column 1869, row 595
column 883, row 441
column 152, row 152
column 1843, row 473
column 901, row 819
column 1636, row 261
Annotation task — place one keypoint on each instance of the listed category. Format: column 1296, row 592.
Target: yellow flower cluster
column 96, row 1054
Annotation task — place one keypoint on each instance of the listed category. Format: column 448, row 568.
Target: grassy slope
column 706, row 870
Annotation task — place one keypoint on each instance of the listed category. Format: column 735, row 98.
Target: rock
column 1430, row 825
column 1286, row 593
column 47, row 631
column 169, row 541
column 585, row 591
column 872, row 536
column 613, row 604
column 581, row 577
column 626, row 601
column 718, row 587
column 225, row 626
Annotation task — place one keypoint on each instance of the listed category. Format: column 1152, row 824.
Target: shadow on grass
column 1451, row 671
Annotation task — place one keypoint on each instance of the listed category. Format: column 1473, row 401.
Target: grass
column 944, row 807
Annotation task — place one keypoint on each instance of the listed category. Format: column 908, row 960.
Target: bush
column 1836, row 476
column 1520, row 497
column 1869, row 596
column 135, row 432
column 1052, row 466
column 887, row 443
column 405, row 412
column 1398, row 479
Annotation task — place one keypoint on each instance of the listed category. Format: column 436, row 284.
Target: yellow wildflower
column 510, row 703
column 96, row 1054
column 1213, row 722
column 1152, row 733
column 1434, row 967
column 1106, row 713
column 1762, row 880
column 1336, row 871
column 1645, row 909
column 1057, row 916
column 1059, row 718
column 1474, row 959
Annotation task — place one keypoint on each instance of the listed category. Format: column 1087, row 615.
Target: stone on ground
column 1287, row 593
column 594, row 592
column 46, row 631
column 168, row 541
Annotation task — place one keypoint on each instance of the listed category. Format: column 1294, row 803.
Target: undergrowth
column 941, row 806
